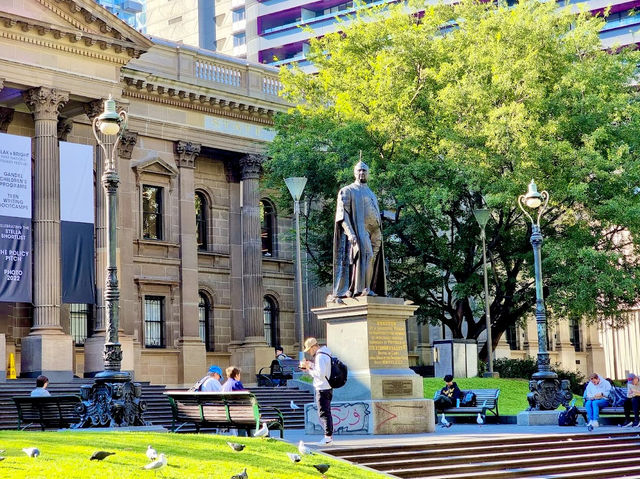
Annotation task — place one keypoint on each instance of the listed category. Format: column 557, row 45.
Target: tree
column 465, row 104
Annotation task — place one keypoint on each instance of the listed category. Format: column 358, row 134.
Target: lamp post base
column 112, row 401
column 548, row 392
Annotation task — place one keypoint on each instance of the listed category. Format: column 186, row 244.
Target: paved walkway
column 456, row 433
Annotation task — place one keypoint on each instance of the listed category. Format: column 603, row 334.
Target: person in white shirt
column 41, row 387
column 596, row 396
column 320, row 371
column 211, row 382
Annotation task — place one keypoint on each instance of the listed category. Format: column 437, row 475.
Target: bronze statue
column 358, row 253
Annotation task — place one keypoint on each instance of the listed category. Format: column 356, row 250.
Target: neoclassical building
column 203, row 273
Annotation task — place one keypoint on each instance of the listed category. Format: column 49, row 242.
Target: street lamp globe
column 533, row 199
column 109, row 120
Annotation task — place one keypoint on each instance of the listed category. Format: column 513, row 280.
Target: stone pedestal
column 250, row 357
column 538, row 418
column 94, row 354
column 192, row 360
column 48, row 354
column 369, row 335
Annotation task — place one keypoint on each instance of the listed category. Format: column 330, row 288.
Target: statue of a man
column 358, row 254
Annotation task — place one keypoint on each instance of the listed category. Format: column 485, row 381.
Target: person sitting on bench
column 449, row 395
column 41, row 387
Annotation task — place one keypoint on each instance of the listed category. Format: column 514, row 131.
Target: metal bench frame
column 280, row 369
column 48, row 411
column 482, row 395
column 238, row 410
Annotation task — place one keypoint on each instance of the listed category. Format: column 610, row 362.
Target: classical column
column 192, row 349
column 252, row 248
column 46, row 349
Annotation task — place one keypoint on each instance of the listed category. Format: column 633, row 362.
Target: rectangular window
column 574, row 335
column 239, row 39
column 152, row 212
column 238, row 15
column 79, row 319
column 512, row 337
column 154, row 321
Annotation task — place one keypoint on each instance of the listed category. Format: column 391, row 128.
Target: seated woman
column 449, row 394
column 632, row 402
column 233, row 380
column 41, row 387
column 596, row 396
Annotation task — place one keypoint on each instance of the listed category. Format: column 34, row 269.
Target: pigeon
column 304, row 450
column 263, row 431
column 444, row 422
column 100, row 455
column 293, row 405
column 2, row 458
column 235, row 446
column 242, row 475
column 152, row 454
column 157, row 464
column 322, row 468
column 294, row 457
column 31, row 451
column 480, row 419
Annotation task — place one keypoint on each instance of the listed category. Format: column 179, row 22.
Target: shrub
column 515, row 368
column 482, row 368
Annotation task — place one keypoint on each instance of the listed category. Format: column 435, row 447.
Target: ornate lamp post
column 296, row 187
column 547, row 393
column 113, row 400
column 482, row 217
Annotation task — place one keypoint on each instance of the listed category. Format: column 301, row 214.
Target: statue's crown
column 360, row 165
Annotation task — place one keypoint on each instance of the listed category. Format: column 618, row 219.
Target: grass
column 65, row 454
column 513, row 392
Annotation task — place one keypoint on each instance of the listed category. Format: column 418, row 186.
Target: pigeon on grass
column 2, row 458
column 31, row 451
column 100, row 455
column 294, row 457
column 235, row 446
column 304, row 450
column 157, row 464
column 263, row 431
column 242, row 475
column 322, row 468
column 152, row 454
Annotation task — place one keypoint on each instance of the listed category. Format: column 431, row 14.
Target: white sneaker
column 589, row 423
column 326, row 441
column 629, row 424
column 595, row 424
column 637, row 425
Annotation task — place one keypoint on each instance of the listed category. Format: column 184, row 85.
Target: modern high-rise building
column 130, row 11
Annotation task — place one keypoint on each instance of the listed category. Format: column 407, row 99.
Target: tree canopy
column 458, row 107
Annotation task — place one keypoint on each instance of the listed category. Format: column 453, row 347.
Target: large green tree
column 461, row 105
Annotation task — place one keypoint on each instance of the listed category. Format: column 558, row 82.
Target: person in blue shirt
column 233, row 380
column 41, row 387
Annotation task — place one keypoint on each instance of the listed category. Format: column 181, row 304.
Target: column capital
column 251, row 166
column 65, row 125
column 45, row 103
column 187, row 153
column 6, row 117
column 127, row 142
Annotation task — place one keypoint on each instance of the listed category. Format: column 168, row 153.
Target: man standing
column 358, row 254
column 320, row 371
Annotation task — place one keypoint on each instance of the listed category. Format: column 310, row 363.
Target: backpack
column 469, row 399
column 568, row 417
column 198, row 385
column 339, row 372
column 617, row 396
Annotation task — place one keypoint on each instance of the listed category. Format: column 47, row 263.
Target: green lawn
column 66, row 455
column 513, row 392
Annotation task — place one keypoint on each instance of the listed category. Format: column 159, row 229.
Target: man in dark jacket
column 449, row 395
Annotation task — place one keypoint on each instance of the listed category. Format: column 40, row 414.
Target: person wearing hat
column 320, row 370
column 632, row 402
column 211, row 382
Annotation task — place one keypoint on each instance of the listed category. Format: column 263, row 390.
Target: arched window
column 201, row 220
column 270, row 314
column 205, row 321
column 268, row 227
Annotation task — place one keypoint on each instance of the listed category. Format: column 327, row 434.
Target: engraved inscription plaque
column 387, row 344
column 396, row 388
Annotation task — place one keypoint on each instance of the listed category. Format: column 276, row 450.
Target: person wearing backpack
column 211, row 382
column 320, row 370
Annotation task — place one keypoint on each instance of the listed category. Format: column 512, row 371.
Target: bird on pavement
column 157, row 464
column 235, row 446
column 444, row 422
column 304, row 450
column 31, row 451
column 480, row 419
column 263, row 431
column 242, row 475
column 293, row 405
column 294, row 457
column 322, row 468
column 100, row 455
column 152, row 454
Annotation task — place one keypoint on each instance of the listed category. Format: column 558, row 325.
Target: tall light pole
column 113, row 400
column 296, row 186
column 482, row 217
column 546, row 391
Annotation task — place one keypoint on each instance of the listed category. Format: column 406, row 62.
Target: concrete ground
column 455, row 433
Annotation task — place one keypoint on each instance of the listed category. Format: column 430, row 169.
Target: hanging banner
column 77, row 223
column 15, row 218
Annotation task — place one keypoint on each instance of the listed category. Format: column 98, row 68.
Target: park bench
column 279, row 371
column 49, row 411
column 238, row 409
column 607, row 410
column 486, row 401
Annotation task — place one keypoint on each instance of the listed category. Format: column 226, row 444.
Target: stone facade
column 198, row 125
